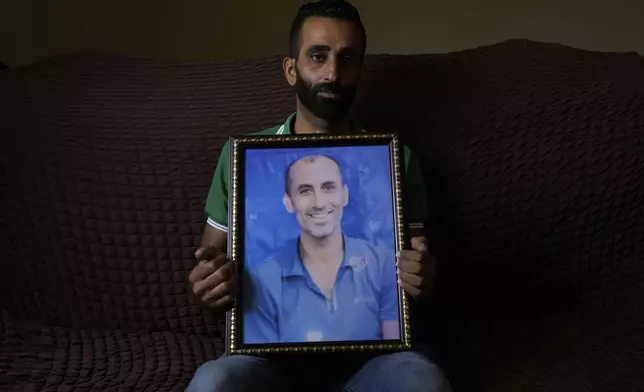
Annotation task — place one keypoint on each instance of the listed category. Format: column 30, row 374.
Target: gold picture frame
column 242, row 317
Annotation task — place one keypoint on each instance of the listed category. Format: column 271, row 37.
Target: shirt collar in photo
column 292, row 264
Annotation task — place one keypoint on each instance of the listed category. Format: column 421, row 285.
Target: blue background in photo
column 368, row 215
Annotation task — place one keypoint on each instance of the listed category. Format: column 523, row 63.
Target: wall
column 216, row 29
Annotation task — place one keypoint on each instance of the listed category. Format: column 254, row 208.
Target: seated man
column 327, row 48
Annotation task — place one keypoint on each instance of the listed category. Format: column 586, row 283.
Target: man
column 327, row 47
column 322, row 286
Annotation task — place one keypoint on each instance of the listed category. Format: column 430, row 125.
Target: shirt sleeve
column 260, row 312
column 217, row 200
column 414, row 198
column 389, row 288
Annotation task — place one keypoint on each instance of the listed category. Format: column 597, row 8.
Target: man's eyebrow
column 319, row 48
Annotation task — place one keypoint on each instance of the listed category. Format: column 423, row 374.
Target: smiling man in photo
column 322, row 285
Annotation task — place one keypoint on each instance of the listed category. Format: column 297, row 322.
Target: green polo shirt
column 415, row 204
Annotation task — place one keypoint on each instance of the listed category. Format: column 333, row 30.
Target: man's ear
column 290, row 72
column 288, row 203
column 346, row 195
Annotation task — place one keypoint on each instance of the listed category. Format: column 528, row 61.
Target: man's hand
column 214, row 279
column 416, row 268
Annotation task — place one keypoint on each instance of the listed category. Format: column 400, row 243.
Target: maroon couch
column 534, row 159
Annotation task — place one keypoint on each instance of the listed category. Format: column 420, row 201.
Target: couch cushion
column 41, row 358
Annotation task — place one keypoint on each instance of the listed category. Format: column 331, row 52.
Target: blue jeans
column 398, row 372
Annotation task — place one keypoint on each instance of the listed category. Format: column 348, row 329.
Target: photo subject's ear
column 287, row 203
column 289, row 70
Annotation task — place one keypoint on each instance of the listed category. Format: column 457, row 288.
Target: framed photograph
column 315, row 222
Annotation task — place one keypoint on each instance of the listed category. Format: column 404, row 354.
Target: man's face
column 328, row 67
column 316, row 195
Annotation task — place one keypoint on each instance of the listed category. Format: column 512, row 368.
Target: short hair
column 332, row 9
column 287, row 174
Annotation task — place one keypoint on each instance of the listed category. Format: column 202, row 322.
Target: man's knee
column 411, row 371
column 229, row 373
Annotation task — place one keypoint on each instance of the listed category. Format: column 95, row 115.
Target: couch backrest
column 108, row 163
column 532, row 156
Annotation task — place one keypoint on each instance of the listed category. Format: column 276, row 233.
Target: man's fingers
column 411, row 279
column 409, row 289
column 412, row 267
column 221, row 274
column 419, row 243
column 412, row 255
column 200, row 272
column 422, row 282
column 214, row 279
column 205, row 268
column 223, row 289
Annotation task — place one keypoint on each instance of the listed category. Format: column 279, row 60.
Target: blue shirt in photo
column 283, row 304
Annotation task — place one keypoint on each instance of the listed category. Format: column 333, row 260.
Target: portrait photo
column 317, row 246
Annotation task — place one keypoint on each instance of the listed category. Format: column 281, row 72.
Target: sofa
column 533, row 158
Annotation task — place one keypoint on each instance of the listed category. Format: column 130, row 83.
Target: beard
column 325, row 108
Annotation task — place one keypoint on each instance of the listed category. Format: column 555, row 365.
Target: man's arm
column 214, row 238
column 216, row 232
column 417, row 269
column 416, row 265
column 214, row 278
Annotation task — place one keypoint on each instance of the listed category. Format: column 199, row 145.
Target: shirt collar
column 294, row 266
column 287, row 127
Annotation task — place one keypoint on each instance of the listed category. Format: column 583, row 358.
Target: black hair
column 333, row 9
column 287, row 173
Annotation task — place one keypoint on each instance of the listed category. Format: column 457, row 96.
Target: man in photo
column 322, row 285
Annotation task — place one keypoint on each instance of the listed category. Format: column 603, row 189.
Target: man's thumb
column 419, row 244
